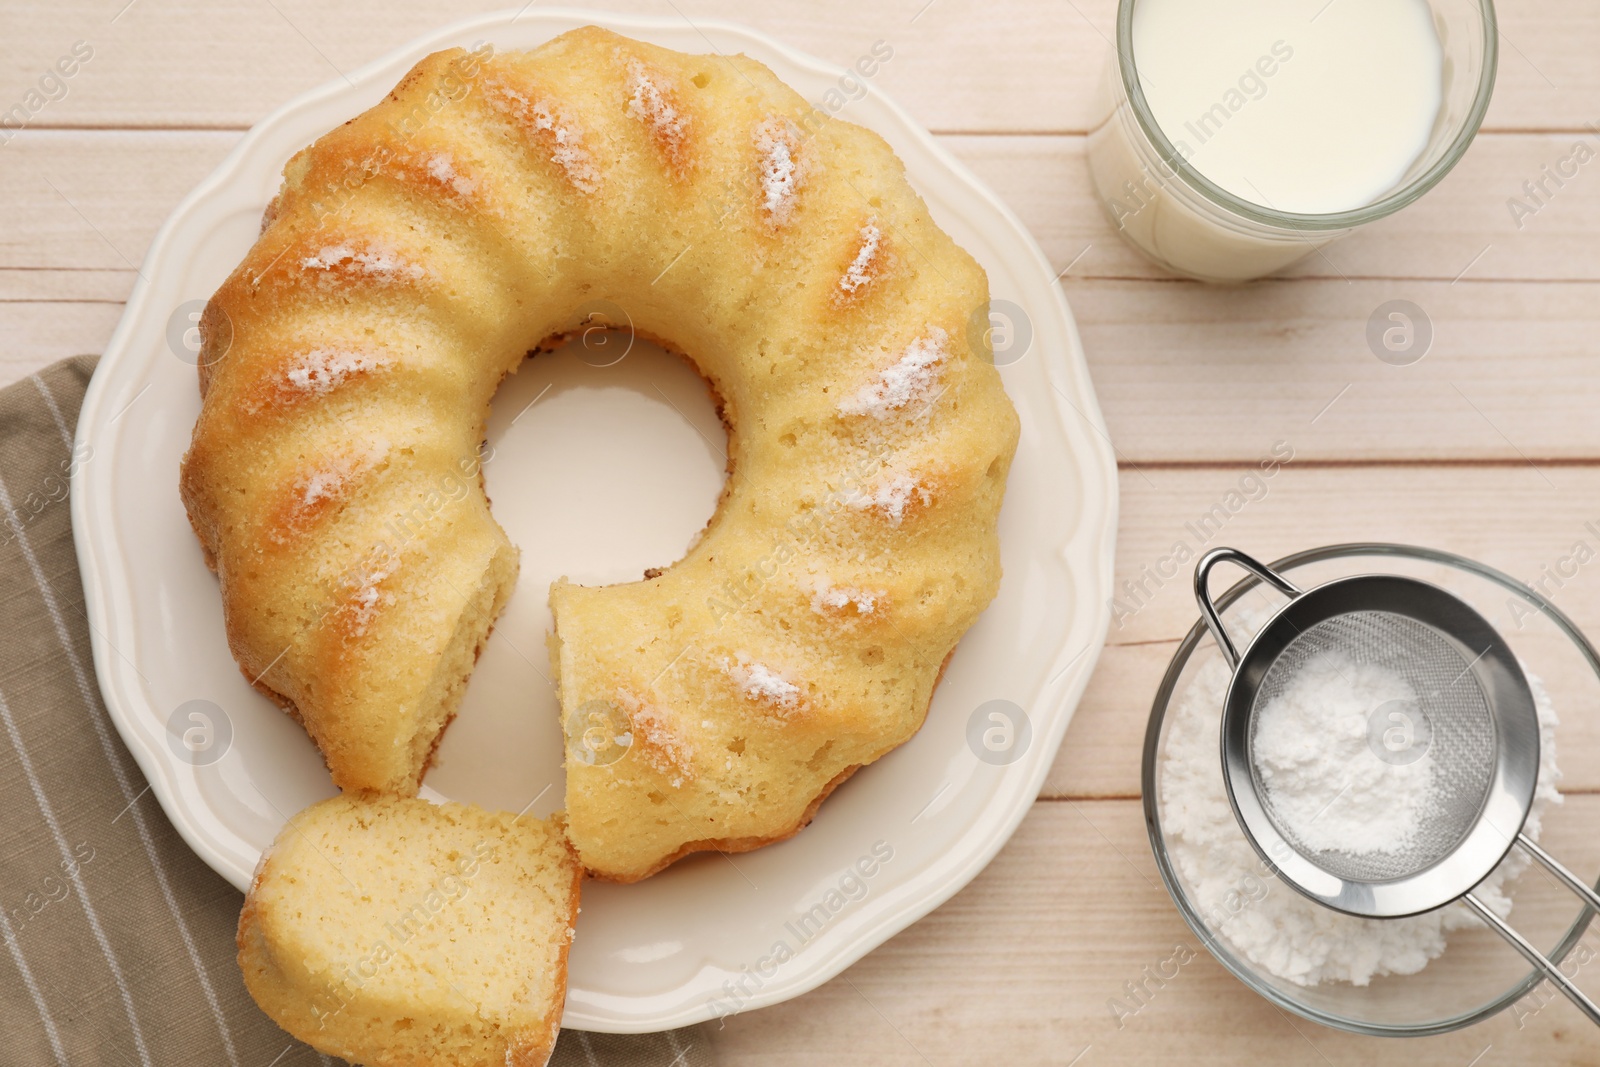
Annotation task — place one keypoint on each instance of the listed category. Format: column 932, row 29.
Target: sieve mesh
column 1448, row 694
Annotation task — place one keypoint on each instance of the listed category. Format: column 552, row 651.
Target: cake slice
column 392, row 932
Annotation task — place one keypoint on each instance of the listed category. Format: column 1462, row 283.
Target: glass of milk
column 1241, row 135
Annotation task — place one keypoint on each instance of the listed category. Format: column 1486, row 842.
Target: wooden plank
column 37, row 333
column 1201, row 374
column 71, row 285
column 1025, row 964
column 76, row 200
column 1506, row 516
column 77, row 212
column 959, row 65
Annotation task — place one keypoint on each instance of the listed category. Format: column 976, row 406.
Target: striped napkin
column 119, row 941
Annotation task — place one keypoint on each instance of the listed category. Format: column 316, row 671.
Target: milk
column 1306, row 107
column 1298, row 115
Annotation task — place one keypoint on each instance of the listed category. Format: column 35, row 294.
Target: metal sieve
column 1472, row 700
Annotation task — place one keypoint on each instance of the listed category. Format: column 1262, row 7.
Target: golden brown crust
column 537, row 1050
column 282, row 385
column 733, row 844
column 750, row 844
column 655, row 98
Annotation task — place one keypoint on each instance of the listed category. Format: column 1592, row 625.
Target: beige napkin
column 119, row 941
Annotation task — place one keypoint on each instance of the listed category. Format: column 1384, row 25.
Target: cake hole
column 787, row 440
column 871, row 656
column 736, row 746
column 601, row 461
column 701, row 80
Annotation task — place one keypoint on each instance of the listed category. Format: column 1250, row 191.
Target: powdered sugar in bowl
column 1426, row 974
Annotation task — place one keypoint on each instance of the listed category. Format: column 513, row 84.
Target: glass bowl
column 1478, row 973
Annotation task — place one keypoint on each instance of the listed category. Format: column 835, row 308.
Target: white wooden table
column 1490, row 446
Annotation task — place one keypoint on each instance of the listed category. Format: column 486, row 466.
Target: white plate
column 700, row 939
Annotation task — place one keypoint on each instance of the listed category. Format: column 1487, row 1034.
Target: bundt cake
column 393, row 933
column 411, row 259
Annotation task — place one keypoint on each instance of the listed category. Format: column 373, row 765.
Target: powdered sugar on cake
column 760, row 682
column 367, row 596
column 781, row 173
column 859, row 272
column 376, row 261
column 893, row 496
column 650, row 104
column 323, row 485
column 657, row 740
column 568, row 151
column 443, row 170
column 842, row 599
column 564, row 136
column 318, row 372
column 911, row 379
column 315, row 490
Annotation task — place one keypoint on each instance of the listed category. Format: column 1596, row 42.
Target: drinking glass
column 1186, row 223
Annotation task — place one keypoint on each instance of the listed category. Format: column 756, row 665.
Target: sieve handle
column 1564, row 876
column 1535, row 957
column 1208, row 609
